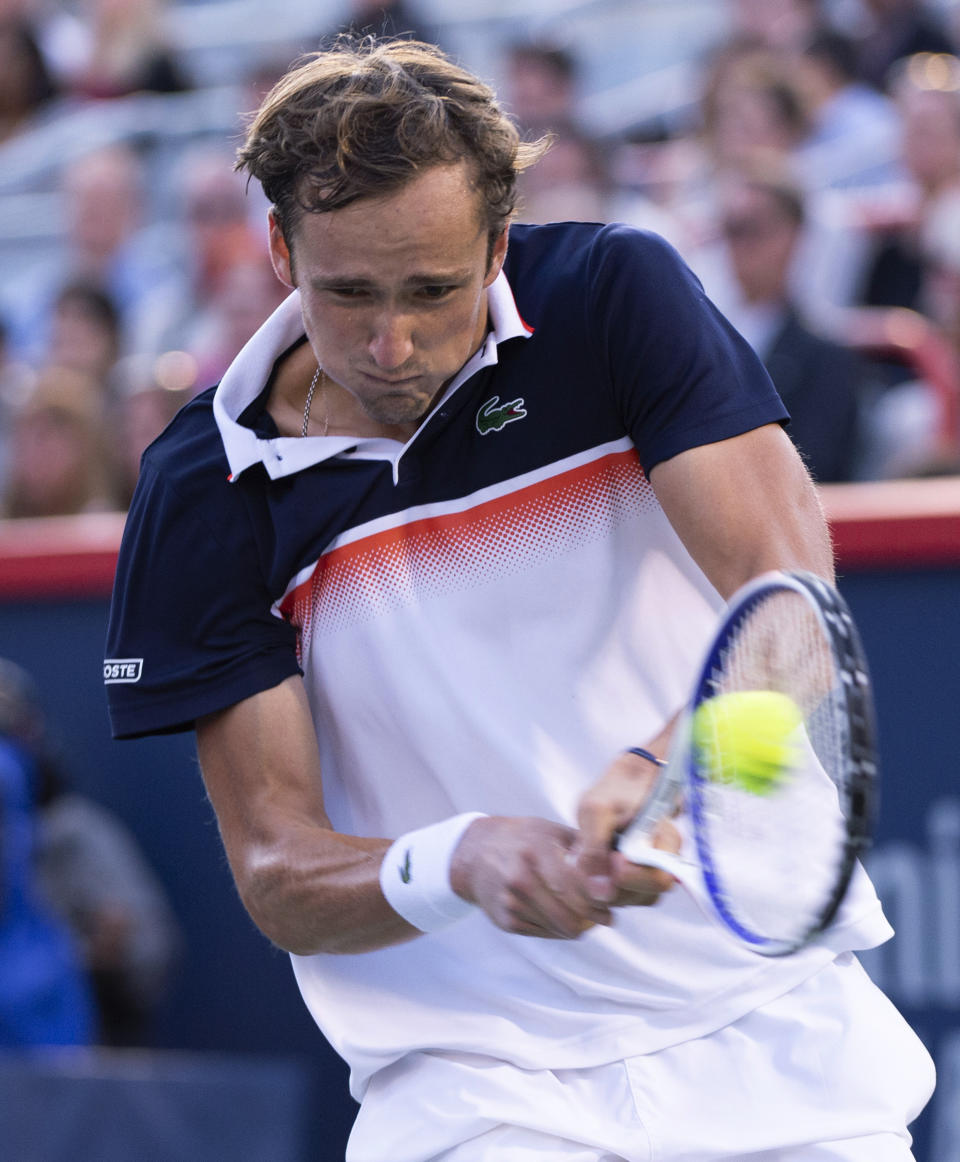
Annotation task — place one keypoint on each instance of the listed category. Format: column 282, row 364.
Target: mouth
column 386, row 381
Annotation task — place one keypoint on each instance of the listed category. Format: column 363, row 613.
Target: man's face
column 393, row 290
column 761, row 239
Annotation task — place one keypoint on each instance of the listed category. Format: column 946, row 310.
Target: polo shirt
column 483, row 617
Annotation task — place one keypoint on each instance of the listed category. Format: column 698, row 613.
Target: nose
column 391, row 344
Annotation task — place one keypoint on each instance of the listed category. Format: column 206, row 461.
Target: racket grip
column 638, row 850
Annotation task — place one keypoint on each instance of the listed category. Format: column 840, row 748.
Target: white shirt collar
column 282, row 455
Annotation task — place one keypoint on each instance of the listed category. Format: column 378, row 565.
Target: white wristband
column 415, row 874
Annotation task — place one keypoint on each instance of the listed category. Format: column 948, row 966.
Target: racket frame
column 682, row 776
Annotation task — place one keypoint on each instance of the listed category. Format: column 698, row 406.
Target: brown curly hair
column 364, row 117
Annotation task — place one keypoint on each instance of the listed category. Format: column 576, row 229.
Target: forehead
column 434, row 222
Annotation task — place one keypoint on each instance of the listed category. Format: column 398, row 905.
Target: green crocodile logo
column 406, row 871
column 493, row 415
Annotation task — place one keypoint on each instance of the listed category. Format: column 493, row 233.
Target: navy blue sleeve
column 681, row 374
column 190, row 629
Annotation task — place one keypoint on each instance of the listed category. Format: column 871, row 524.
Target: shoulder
column 574, row 266
column 563, row 250
column 185, row 505
column 191, row 440
column 186, row 469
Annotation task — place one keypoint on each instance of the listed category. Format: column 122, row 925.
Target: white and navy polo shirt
column 483, row 616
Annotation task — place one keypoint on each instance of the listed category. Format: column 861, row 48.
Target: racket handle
column 638, row 850
column 685, row 871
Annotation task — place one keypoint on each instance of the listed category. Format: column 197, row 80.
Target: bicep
column 744, row 506
column 261, row 767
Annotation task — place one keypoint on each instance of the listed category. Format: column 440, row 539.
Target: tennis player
column 446, row 540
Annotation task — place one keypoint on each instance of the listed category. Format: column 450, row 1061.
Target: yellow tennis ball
column 747, row 738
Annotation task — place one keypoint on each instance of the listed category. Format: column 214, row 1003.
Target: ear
column 496, row 258
column 280, row 254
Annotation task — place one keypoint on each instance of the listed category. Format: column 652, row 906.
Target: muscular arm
column 307, row 887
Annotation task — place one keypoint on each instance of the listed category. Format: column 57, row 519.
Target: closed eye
column 436, row 292
column 347, row 292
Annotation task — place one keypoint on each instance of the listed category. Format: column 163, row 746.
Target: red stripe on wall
column 897, row 524
column 59, row 557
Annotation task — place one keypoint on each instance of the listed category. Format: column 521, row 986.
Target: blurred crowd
column 812, row 182
column 814, row 187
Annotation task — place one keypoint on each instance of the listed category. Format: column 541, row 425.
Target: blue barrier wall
column 235, row 993
column 910, row 623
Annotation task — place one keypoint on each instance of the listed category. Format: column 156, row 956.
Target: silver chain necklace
column 306, row 411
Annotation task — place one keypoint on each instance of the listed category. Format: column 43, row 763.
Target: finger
column 557, row 923
column 640, row 885
column 603, row 813
column 614, row 801
column 562, row 891
column 538, row 893
column 558, row 903
column 599, row 820
column 642, row 881
column 541, row 933
column 666, row 837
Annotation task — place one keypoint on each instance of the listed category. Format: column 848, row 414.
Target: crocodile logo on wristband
column 405, row 869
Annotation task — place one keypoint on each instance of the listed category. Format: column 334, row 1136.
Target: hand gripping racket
column 774, row 764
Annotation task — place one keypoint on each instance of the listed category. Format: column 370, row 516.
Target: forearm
column 317, row 890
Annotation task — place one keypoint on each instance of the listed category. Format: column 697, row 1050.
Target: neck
column 288, row 396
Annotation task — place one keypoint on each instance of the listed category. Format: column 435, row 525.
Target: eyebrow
column 443, row 278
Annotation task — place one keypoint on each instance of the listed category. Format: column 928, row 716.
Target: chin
column 399, row 410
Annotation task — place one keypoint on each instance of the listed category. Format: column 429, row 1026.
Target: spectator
column 569, row 184
column 149, row 391
column 854, row 133
column 751, row 107
column 541, row 87
column 820, row 381
column 387, row 18
column 109, row 242
column 898, row 29
column 26, row 87
column 246, row 294
column 572, row 183
column 85, row 333
column 14, row 379
column 927, row 91
column 57, row 463
column 44, row 998
column 124, row 49
column 914, row 424
column 215, row 213
column 781, row 26
column 940, row 248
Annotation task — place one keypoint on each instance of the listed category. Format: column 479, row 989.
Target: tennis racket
column 776, row 823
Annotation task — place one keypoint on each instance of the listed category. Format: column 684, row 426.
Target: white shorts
column 828, row 1073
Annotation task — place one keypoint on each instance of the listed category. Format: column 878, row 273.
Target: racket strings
column 792, row 827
